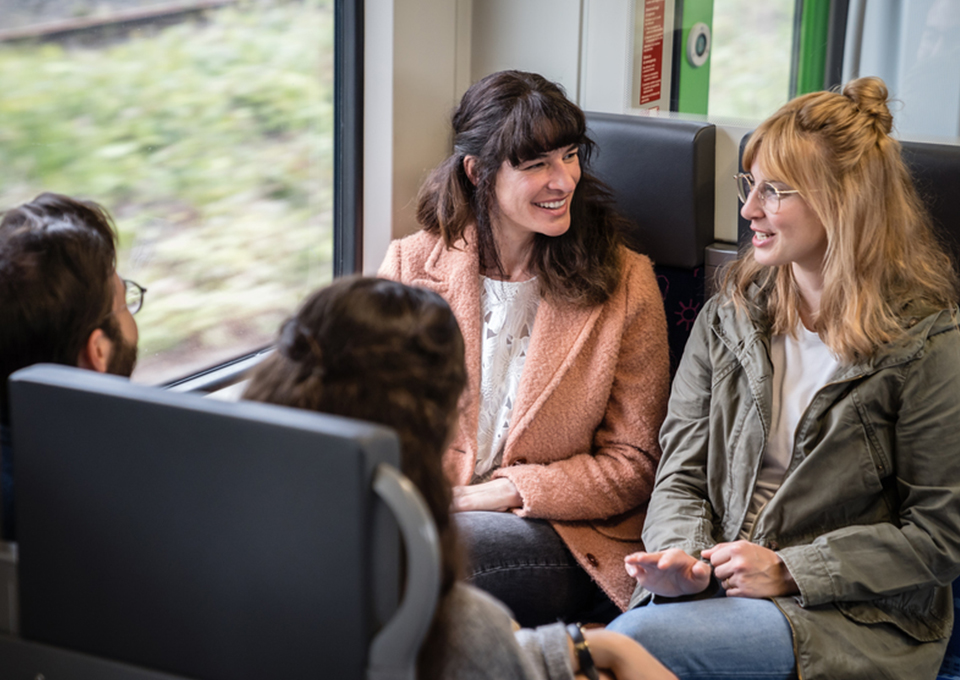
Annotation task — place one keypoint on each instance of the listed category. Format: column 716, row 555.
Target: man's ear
column 95, row 354
column 470, row 167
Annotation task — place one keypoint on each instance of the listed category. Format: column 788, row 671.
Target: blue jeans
column 526, row 565
column 721, row 637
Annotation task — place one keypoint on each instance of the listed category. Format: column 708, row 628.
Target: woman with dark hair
column 566, row 350
column 808, row 501
column 387, row 353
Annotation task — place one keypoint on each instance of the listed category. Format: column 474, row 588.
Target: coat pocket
column 925, row 614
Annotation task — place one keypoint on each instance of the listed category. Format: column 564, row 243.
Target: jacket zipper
column 756, row 520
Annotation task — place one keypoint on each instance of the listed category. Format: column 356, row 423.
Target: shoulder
column 409, row 257
column 480, row 639
column 635, row 264
column 638, row 281
column 940, row 327
column 413, row 248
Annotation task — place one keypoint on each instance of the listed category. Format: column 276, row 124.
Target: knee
column 633, row 623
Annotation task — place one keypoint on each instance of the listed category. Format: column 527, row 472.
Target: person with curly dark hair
column 392, row 354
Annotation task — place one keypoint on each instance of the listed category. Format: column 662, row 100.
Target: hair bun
column 870, row 95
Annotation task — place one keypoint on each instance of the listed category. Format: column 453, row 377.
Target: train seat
column 661, row 172
column 163, row 536
column 936, row 174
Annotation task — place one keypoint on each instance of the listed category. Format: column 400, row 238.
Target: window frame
column 347, row 184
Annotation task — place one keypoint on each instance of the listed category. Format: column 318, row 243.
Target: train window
column 750, row 63
column 206, row 128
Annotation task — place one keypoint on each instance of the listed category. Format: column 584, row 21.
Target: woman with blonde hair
column 806, row 515
column 566, row 350
column 392, row 354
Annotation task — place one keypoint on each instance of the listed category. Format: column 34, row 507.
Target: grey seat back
column 207, row 539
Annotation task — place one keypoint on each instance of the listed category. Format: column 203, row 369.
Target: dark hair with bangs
column 57, row 260
column 513, row 116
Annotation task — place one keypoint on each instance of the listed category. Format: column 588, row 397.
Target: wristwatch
column 580, row 646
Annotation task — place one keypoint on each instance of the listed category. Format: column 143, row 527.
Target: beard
column 123, row 359
column 124, row 355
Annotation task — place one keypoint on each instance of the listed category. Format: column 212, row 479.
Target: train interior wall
column 421, row 56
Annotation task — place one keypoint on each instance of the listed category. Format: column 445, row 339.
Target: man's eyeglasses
column 134, row 295
column 768, row 195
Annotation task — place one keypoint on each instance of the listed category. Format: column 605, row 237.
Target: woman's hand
column 497, row 495
column 622, row 657
column 670, row 573
column 746, row 569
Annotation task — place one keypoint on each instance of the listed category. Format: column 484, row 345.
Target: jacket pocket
column 878, row 442
column 925, row 614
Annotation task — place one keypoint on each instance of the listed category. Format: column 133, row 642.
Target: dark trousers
column 525, row 564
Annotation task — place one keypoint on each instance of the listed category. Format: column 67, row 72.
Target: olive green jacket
column 867, row 519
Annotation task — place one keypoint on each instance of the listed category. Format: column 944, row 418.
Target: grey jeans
column 525, row 564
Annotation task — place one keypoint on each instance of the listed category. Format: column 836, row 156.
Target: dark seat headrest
column 661, row 172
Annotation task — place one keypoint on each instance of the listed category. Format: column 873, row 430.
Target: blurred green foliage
column 750, row 64
column 211, row 142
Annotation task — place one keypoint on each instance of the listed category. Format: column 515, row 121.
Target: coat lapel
column 454, row 274
column 558, row 334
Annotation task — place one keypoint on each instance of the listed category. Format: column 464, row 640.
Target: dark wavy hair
column 513, row 116
column 57, row 260
column 387, row 353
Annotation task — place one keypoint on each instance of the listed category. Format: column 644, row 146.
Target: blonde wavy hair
column 882, row 256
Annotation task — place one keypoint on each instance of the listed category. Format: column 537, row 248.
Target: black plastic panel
column 661, row 171
column 224, row 541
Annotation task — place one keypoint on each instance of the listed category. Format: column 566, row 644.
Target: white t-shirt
column 801, row 366
column 509, row 309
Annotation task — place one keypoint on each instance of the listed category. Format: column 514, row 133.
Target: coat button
column 773, row 545
column 520, row 461
column 593, row 560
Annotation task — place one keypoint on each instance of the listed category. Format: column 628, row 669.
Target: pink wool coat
column 582, row 446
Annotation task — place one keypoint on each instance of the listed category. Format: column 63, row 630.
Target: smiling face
column 534, row 197
column 794, row 235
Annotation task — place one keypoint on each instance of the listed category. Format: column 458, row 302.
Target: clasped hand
column 744, row 569
column 497, row 495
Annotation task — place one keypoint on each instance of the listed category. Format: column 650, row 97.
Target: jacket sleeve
column 866, row 562
column 547, row 650
column 616, row 475
column 480, row 643
column 680, row 514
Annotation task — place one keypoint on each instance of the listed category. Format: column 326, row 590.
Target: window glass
column 209, row 137
column 751, row 53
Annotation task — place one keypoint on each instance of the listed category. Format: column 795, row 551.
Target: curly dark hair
column 513, row 116
column 387, row 353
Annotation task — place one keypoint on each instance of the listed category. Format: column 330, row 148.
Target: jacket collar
column 745, row 333
column 559, row 331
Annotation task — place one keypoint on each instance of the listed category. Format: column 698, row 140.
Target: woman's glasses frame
column 768, row 195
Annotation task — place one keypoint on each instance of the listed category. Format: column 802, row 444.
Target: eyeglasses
column 134, row 295
column 768, row 195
